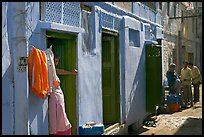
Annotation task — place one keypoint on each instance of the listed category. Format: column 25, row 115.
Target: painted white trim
column 127, row 14
column 60, row 27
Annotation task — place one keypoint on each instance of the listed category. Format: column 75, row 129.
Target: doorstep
column 113, row 129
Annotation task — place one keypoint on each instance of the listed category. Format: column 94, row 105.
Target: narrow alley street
column 184, row 122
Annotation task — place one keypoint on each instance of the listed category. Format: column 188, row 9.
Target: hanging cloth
column 52, row 76
column 58, row 121
column 38, row 72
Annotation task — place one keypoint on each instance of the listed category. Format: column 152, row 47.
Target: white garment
column 58, row 120
column 196, row 76
column 51, row 68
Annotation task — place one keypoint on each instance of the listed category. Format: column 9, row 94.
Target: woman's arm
column 65, row 72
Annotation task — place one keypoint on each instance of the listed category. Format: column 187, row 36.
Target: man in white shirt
column 186, row 79
column 196, row 81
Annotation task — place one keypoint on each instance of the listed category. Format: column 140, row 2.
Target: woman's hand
column 65, row 72
column 74, row 72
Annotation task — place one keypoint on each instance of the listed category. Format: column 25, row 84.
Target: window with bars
column 168, row 8
column 190, row 57
column 147, row 32
column 193, row 25
column 134, row 38
column 174, row 55
column 67, row 13
column 160, row 5
column 175, row 6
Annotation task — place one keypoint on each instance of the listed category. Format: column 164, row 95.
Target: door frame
column 117, row 68
column 64, row 35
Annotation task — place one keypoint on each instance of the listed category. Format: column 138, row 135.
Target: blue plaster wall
column 37, row 110
column 89, row 79
column 38, row 114
column 7, row 76
column 132, row 69
column 135, row 75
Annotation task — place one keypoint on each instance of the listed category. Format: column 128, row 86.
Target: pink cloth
column 58, row 120
column 67, row 132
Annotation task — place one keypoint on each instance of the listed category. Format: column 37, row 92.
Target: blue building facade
column 24, row 24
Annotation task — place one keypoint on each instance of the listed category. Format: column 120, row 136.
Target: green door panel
column 110, row 79
column 64, row 46
column 153, row 77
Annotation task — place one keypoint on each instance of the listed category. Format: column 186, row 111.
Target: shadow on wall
column 7, row 102
column 38, row 108
column 38, row 115
column 137, row 94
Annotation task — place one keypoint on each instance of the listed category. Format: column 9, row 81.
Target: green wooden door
column 153, row 77
column 110, row 79
column 64, row 46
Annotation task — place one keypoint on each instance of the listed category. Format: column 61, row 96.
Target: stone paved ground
column 184, row 122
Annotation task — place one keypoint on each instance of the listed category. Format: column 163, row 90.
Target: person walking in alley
column 186, row 79
column 59, row 123
column 173, row 80
column 196, row 81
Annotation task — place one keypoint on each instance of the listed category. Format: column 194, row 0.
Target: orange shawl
column 38, row 72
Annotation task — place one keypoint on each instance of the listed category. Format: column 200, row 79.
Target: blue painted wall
column 23, row 112
column 38, row 114
column 7, row 76
column 135, row 85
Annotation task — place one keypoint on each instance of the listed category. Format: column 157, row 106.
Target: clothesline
column 32, row 46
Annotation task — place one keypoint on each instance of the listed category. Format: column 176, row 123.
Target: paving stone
column 184, row 122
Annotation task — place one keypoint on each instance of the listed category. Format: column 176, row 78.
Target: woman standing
column 58, row 121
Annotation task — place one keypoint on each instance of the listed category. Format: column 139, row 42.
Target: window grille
column 147, row 32
column 109, row 21
column 67, row 13
column 71, row 13
column 53, row 12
